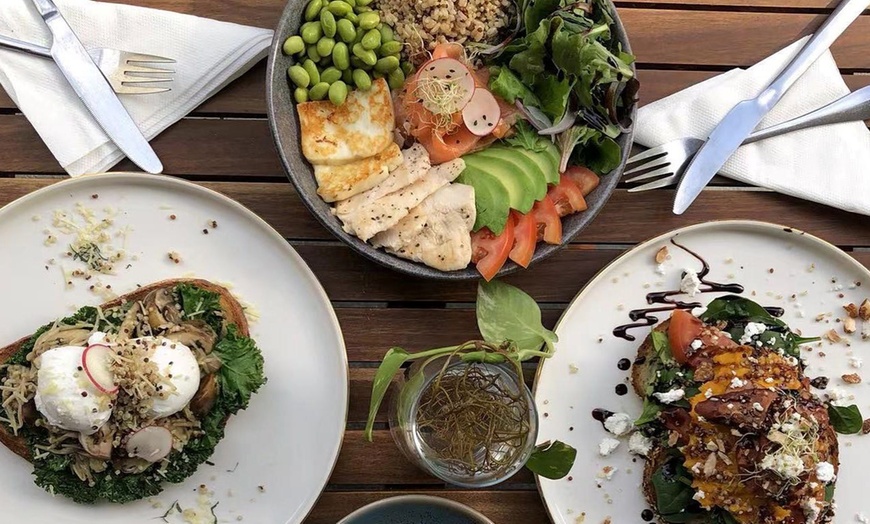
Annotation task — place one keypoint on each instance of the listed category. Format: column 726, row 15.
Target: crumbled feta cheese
column 752, row 329
column 660, row 269
column 639, row 444
column 737, row 383
column 856, row 362
column 607, row 446
column 786, row 466
column 619, row 424
column 837, row 396
column 690, row 283
column 669, row 397
column 812, row 509
column 825, row 471
column 699, row 495
column 708, row 393
column 696, row 344
column 606, row 473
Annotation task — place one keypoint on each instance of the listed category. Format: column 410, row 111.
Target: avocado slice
column 522, row 164
column 519, row 185
column 545, row 164
column 555, row 156
column 490, row 198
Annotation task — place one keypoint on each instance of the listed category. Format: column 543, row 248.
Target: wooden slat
column 661, row 36
column 826, row 5
column 499, row 506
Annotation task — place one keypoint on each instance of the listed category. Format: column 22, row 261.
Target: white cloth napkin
column 829, row 164
column 209, row 54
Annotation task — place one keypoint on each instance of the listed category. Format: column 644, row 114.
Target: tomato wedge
column 489, row 252
column 567, row 197
column 584, row 177
column 547, row 221
column 525, row 238
column 684, row 329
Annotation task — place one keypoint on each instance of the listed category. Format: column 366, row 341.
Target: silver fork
column 124, row 70
column 668, row 161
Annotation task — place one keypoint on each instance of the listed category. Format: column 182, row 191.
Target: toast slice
column 232, row 309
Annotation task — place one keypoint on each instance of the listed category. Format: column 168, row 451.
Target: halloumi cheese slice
column 385, row 212
column 359, row 128
column 415, row 165
column 344, row 181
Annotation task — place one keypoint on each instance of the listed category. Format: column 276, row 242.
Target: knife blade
column 94, row 90
column 745, row 116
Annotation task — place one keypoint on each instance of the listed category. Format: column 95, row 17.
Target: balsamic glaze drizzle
column 644, row 318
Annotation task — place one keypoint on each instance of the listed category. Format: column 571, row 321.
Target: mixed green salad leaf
column 240, row 375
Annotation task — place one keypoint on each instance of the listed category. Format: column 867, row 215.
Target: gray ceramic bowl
column 285, row 130
column 415, row 509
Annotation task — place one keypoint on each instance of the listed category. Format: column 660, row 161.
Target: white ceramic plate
column 772, row 262
column 287, row 441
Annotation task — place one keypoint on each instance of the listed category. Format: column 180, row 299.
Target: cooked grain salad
column 427, row 23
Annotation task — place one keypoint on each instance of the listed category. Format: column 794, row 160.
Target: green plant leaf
column 553, row 94
column 537, row 10
column 393, row 360
column 672, row 483
column 662, row 346
column 526, row 137
column 650, row 412
column 506, row 85
column 552, row 460
column 506, row 313
column 846, row 420
column 829, row 492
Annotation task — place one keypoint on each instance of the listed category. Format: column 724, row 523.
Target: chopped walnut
column 852, row 378
column 662, row 255
column 866, row 427
column 864, row 310
column 852, row 310
column 832, row 336
column 849, row 325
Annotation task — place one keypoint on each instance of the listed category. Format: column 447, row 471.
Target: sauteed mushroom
column 29, row 413
column 205, row 397
column 193, row 334
column 62, row 335
column 98, row 445
column 161, row 309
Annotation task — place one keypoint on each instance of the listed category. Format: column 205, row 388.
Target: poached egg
column 177, row 365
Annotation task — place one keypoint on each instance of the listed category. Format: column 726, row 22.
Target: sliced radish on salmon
column 96, row 361
column 444, row 86
column 449, row 50
column 482, row 113
column 151, row 443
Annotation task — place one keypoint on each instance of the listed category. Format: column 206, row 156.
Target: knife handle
column 821, row 41
column 46, row 8
column 853, row 107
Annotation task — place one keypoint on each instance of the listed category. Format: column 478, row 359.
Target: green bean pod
column 372, row 39
column 300, row 94
column 346, row 30
column 387, row 64
column 338, row 93
column 396, row 79
column 367, row 56
column 311, row 32
column 319, row 91
column 294, row 45
column 312, row 10
column 369, row 20
column 330, row 75
column 313, row 73
column 341, row 56
column 362, row 80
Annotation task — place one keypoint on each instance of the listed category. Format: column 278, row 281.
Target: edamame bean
column 294, row 45
column 339, row 8
column 362, row 80
column 340, row 56
column 351, row 2
column 363, row 2
column 299, row 76
column 367, row 56
column 325, row 61
column 387, row 34
column 328, row 23
column 319, row 91
column 311, row 32
column 313, row 54
column 346, row 30
column 387, row 64
column 347, row 76
column 369, row 20
column 396, row 79
column 351, row 16
column 407, row 68
column 300, row 95
column 358, row 64
column 362, row 9
column 313, row 10
column 338, row 93
column 330, row 75
column 377, row 74
column 372, row 39
column 390, row 48
column 325, row 46
column 313, row 73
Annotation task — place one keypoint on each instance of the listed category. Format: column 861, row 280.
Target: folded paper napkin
column 209, row 54
column 829, row 164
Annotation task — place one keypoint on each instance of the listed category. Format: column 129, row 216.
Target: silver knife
column 745, row 116
column 88, row 82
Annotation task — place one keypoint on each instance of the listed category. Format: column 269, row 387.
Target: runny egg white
column 177, row 365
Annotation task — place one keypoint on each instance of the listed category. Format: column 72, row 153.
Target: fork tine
column 652, row 164
column 130, row 90
column 664, row 170
column 145, row 69
column 649, row 153
column 656, row 184
column 126, row 80
column 141, row 57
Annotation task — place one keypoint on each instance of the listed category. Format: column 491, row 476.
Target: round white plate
column 778, row 267
column 288, row 440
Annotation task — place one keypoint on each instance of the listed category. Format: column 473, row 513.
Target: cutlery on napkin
column 825, row 164
column 209, row 55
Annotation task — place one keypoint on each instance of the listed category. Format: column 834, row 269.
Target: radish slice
column 151, row 443
column 444, row 85
column 95, row 362
column 482, row 113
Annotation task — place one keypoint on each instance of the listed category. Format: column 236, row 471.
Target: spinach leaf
column 554, row 94
column 662, row 346
column 198, row 303
column 649, row 414
column 506, row 85
column 829, row 492
column 506, row 313
column 600, row 153
column 526, row 137
column 390, row 365
column 552, row 460
column 241, row 373
column 672, row 483
column 846, row 420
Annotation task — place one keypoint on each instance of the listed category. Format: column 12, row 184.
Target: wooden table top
column 225, row 145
